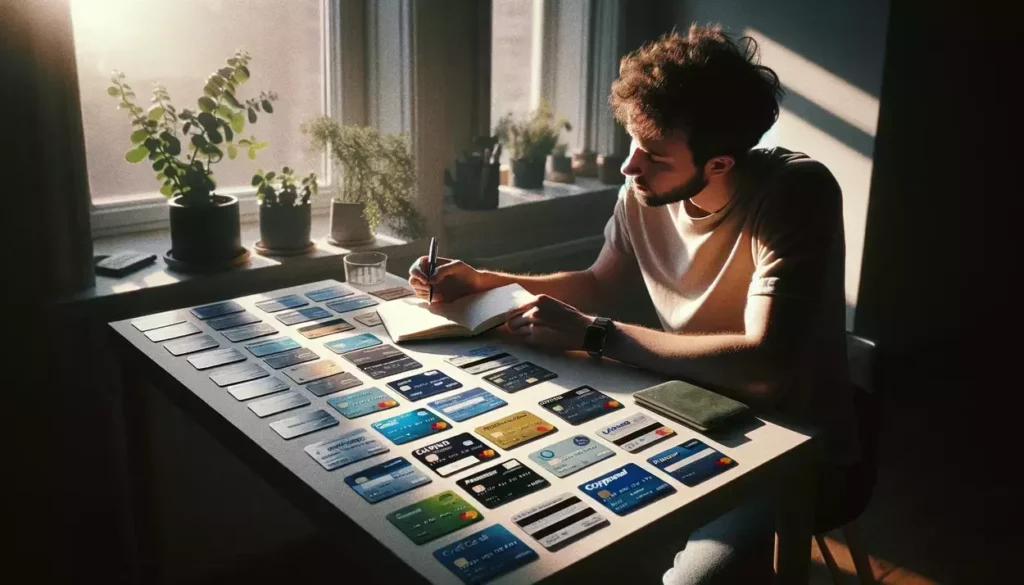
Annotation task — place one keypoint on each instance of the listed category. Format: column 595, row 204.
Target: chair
column 858, row 484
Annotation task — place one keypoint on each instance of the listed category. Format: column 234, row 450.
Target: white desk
column 769, row 456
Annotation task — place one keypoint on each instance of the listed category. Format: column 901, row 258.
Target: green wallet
column 691, row 405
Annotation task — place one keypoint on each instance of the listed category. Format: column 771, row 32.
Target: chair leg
column 830, row 562
column 855, row 541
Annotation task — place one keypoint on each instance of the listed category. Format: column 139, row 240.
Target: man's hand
column 550, row 324
column 452, row 279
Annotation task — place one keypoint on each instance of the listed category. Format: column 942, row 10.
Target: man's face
column 662, row 171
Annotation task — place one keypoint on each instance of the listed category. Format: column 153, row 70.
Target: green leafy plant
column 533, row 137
column 284, row 189
column 208, row 132
column 376, row 170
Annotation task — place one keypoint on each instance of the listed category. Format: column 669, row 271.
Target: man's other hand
column 550, row 324
column 452, row 279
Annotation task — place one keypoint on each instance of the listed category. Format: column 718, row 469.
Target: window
column 179, row 44
column 511, row 57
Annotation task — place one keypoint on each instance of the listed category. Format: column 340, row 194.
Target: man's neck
column 714, row 197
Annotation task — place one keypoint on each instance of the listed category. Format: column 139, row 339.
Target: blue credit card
column 346, row 449
column 217, row 310
column 346, row 305
column 362, row 402
column 466, row 405
column 581, row 405
column 484, row 555
column 386, row 480
column 627, row 489
column 340, row 346
column 233, row 320
column 410, row 426
column 331, row 292
column 282, row 303
column 424, row 385
column 692, row 463
column 566, row 457
column 303, row 315
column 271, row 346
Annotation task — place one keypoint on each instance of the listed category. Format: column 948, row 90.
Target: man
column 741, row 250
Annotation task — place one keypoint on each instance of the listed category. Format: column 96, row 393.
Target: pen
column 432, row 266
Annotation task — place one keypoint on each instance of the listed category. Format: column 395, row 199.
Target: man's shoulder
column 784, row 170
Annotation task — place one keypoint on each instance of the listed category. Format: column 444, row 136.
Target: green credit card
column 434, row 517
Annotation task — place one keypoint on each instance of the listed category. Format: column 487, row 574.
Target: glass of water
column 365, row 268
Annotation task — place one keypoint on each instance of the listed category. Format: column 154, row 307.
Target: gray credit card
column 257, row 388
column 313, row 371
column 302, row 424
column 172, row 332
column 278, row 403
column 237, row 373
column 216, row 357
column 190, row 345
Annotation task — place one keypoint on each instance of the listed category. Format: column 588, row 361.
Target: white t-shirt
column 781, row 234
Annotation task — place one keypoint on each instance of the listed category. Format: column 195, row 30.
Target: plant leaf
column 138, row 136
column 167, row 189
column 252, row 116
column 156, row 112
column 225, row 112
column 113, row 91
column 206, row 104
column 230, row 98
column 267, row 107
column 136, row 154
column 208, row 122
column 237, row 122
column 228, row 134
column 256, row 180
column 252, row 153
column 232, row 151
column 199, row 141
column 241, row 73
column 271, row 175
column 215, row 136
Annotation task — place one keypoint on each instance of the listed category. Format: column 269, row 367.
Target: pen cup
column 365, row 268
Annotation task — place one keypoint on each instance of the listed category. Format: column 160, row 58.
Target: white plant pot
column 348, row 224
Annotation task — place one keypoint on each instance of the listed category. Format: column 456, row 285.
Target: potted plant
column 377, row 179
column 529, row 142
column 182, row 148
column 285, row 211
column 559, row 166
column 609, row 169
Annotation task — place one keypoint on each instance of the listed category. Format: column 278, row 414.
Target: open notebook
column 413, row 318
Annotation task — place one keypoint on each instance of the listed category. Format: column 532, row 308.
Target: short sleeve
column 616, row 231
column 798, row 233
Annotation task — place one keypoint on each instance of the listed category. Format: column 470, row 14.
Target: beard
column 684, row 192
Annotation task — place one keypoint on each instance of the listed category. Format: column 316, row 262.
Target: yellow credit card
column 514, row 430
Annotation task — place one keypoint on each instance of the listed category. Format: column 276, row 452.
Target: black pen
column 432, row 266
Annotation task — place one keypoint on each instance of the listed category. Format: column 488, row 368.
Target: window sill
column 509, row 197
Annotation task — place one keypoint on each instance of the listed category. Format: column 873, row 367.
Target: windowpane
column 512, row 42
column 179, row 44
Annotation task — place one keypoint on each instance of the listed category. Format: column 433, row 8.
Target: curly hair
column 705, row 84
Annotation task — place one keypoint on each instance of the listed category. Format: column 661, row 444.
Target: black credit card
column 247, row 332
column 503, row 483
column 325, row 327
column 453, row 455
column 581, row 405
column 235, row 320
column 291, row 358
column 520, row 377
column 382, row 361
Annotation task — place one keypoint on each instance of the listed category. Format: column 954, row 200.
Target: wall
column 829, row 56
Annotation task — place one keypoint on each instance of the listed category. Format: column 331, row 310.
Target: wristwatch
column 595, row 335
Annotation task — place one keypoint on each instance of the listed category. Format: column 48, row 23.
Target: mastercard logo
column 487, row 453
column 663, row 431
column 725, row 461
column 440, row 425
column 611, row 404
column 387, row 403
column 542, row 429
column 469, row 515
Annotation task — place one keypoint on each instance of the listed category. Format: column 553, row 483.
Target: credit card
column 237, row 374
column 514, row 430
column 271, row 346
column 485, row 555
column 190, row 345
column 303, row 424
column 503, row 483
column 156, row 321
column 233, row 320
column 172, row 332
column 217, row 310
column 627, row 489
column 303, row 315
column 307, row 373
column 410, row 426
column 466, row 405
column 277, row 403
column 353, row 304
column 390, row 294
column 581, row 405
column 565, row 458
column 482, row 359
column 282, row 303
column 362, row 402
column 325, row 327
column 635, row 433
column 453, row 455
column 345, row 449
column 257, row 388
column 434, row 517
column 247, row 332
column 216, row 357
column 424, row 385
column 347, row 344
column 331, row 292
column 291, row 357
column 692, row 463
column 386, row 480
column 369, row 319
column 519, row 377
column 382, row 361
column 560, row 521
column 332, row 384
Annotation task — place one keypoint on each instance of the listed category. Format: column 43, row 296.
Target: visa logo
column 614, row 428
column 603, row 483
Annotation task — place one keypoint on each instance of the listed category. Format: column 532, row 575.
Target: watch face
column 593, row 339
